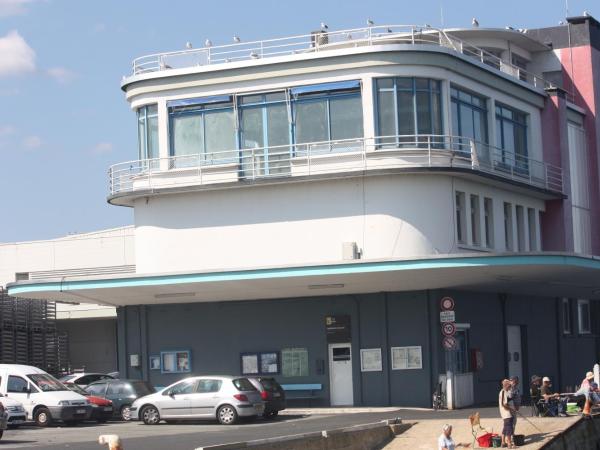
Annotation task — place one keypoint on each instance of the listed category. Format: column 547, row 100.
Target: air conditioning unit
column 318, row 38
column 350, row 251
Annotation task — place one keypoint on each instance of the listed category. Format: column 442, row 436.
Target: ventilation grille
column 82, row 272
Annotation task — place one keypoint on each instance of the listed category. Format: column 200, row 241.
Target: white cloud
column 13, row 7
column 32, row 142
column 17, row 56
column 61, row 74
column 102, row 148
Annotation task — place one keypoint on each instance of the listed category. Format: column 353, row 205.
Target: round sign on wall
column 448, row 329
column 447, row 303
column 449, row 342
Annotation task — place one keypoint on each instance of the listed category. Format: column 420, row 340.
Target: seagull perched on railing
column 370, row 23
column 324, row 26
column 208, row 43
column 188, row 45
column 236, row 39
column 474, row 22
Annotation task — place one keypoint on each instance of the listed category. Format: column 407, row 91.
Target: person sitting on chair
column 556, row 405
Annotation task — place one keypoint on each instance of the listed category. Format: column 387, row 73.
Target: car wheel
column 125, row 412
column 42, row 417
column 227, row 415
column 150, row 415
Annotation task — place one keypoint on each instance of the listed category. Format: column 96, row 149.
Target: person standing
column 515, row 398
column 506, row 412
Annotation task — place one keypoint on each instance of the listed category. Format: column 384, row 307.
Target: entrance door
column 340, row 374
column 515, row 353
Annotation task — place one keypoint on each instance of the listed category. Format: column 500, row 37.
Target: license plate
column 80, row 411
column 108, row 408
column 259, row 407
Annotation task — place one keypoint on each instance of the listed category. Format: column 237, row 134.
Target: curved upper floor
column 399, row 101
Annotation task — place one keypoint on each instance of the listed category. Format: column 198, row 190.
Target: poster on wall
column 249, row 363
column 404, row 358
column 154, row 362
column 177, row 361
column 269, row 363
column 294, row 362
column 370, row 360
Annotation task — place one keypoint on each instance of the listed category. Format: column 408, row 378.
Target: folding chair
column 476, row 427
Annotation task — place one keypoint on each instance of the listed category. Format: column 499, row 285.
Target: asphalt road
column 190, row 435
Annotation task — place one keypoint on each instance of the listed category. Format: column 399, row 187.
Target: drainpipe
column 558, row 346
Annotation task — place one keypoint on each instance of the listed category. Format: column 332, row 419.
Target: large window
column 147, row 117
column 265, row 127
column 407, row 107
column 327, row 112
column 511, row 137
column 203, row 131
column 469, row 118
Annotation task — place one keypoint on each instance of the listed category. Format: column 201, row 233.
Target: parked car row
column 30, row 394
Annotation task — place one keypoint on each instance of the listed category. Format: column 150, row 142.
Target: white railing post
column 412, row 35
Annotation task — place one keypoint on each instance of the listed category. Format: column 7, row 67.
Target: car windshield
column 76, row 388
column 142, row 388
column 47, row 383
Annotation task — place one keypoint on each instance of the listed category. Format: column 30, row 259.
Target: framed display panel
column 154, row 362
column 404, row 358
column 260, row 363
column 294, row 362
column 176, row 361
column 370, row 360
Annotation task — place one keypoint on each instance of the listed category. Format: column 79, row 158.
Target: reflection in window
column 203, row 132
column 407, row 107
column 511, row 137
column 469, row 119
column 328, row 113
column 264, row 126
column 147, row 117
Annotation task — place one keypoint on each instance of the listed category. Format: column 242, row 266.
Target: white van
column 44, row 398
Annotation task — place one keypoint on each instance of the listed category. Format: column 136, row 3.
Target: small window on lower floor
column 566, row 315
column 520, row 228
column 475, row 222
column 533, row 234
column 508, row 227
column 461, row 218
column 583, row 316
column 488, row 212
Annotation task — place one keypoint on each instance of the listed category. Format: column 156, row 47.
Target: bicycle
column 439, row 398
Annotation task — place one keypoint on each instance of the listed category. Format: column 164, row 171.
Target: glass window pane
column 346, row 117
column 385, row 83
column 498, row 133
column 455, row 119
column 436, row 113
column 406, row 113
column 404, row 83
column 423, row 113
column 386, row 116
column 509, row 136
column 466, row 122
column 278, row 134
column 422, row 83
column 219, row 130
column 311, row 121
column 187, row 139
column 252, row 128
column 251, row 99
column 142, row 134
column 275, row 96
column 152, row 136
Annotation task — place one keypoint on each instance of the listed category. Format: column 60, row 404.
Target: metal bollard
column 112, row 440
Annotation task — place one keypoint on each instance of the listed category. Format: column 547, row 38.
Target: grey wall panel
column 92, row 343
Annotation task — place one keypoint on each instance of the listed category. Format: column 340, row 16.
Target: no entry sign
column 448, row 329
column 449, row 342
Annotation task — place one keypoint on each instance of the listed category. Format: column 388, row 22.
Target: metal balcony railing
column 326, row 41
column 331, row 159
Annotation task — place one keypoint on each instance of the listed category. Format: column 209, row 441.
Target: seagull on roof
column 324, row 26
column 188, row 45
column 370, row 23
column 208, row 43
column 474, row 22
column 508, row 28
column 236, row 39
column 586, row 13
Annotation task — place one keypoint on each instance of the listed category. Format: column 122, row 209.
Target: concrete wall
column 387, row 216
column 216, row 334
column 92, row 344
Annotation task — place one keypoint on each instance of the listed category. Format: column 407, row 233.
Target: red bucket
column 485, row 440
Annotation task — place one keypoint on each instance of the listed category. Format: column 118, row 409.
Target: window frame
column 488, row 221
column 509, row 226
column 475, row 214
column 501, row 119
column 143, row 153
column 460, row 216
column 473, row 107
column 413, row 90
column 580, row 303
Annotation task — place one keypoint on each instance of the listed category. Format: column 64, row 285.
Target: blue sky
column 64, row 119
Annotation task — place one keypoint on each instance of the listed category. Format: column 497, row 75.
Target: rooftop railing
column 322, row 41
column 331, row 159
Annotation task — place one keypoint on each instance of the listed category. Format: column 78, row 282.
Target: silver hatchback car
column 224, row 398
